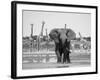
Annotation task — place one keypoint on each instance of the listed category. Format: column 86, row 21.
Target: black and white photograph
column 53, row 39
column 56, row 39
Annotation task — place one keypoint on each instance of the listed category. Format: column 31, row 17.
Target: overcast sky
column 78, row 22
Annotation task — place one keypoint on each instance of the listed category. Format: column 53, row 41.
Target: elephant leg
column 58, row 56
column 67, row 52
column 68, row 58
column 58, row 53
column 61, row 56
column 64, row 58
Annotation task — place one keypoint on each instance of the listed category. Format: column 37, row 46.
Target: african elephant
column 62, row 39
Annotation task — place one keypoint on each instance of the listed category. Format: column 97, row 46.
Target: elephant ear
column 54, row 34
column 70, row 34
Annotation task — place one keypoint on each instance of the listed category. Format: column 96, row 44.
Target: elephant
column 61, row 38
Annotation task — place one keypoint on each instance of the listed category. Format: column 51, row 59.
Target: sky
column 78, row 22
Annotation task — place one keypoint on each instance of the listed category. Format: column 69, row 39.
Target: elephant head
column 62, row 34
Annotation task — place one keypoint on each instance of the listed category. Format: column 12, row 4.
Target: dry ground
column 77, row 60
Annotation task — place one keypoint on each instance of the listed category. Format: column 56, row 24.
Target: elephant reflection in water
column 62, row 39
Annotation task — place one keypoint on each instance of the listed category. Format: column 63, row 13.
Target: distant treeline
column 45, row 38
column 85, row 38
